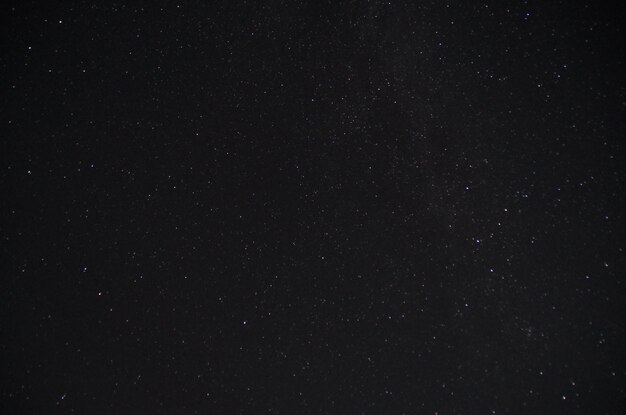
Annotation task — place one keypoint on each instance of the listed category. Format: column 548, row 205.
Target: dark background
column 312, row 207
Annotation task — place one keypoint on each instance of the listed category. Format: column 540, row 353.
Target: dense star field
column 320, row 207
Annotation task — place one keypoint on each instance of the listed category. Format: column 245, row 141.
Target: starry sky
column 325, row 207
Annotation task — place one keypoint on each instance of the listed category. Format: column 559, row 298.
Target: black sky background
column 313, row 207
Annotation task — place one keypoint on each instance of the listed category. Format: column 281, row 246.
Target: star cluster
column 313, row 207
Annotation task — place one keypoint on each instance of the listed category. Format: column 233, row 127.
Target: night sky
column 322, row 207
